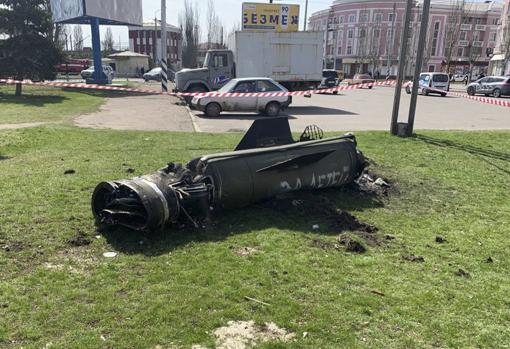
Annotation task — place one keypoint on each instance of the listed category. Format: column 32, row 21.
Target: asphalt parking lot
column 366, row 109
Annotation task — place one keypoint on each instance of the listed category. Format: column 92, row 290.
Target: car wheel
column 273, row 109
column 425, row 92
column 370, row 87
column 335, row 92
column 408, row 90
column 471, row 91
column 443, row 94
column 496, row 93
column 487, row 95
column 213, row 110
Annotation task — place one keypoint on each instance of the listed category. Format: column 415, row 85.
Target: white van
column 432, row 83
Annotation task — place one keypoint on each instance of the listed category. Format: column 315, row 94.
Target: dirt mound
column 246, row 334
column 344, row 221
column 80, row 239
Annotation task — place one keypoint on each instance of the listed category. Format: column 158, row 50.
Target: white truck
column 293, row 59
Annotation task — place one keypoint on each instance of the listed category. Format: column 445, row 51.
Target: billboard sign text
column 270, row 17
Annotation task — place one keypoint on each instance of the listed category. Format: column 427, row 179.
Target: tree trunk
column 18, row 89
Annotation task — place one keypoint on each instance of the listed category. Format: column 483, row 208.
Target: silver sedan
column 269, row 104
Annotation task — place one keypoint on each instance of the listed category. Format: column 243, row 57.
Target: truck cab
column 218, row 69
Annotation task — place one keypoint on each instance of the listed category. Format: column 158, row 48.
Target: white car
column 89, row 72
column 431, row 83
column 212, row 106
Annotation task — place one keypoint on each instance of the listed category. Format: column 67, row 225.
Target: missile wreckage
column 267, row 162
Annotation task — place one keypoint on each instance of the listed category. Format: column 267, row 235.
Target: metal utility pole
column 306, row 14
column 401, row 66
column 163, row 58
column 419, row 64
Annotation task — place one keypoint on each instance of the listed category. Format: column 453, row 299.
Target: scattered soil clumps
column 352, row 245
column 463, row 273
column 69, row 172
column 440, row 239
column 80, row 239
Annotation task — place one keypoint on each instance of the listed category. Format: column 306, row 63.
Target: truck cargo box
column 284, row 57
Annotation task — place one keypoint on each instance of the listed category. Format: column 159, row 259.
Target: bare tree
column 189, row 21
column 215, row 28
column 108, row 42
column 474, row 53
column 456, row 18
column 78, row 38
column 375, row 47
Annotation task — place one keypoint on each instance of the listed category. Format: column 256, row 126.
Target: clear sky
column 229, row 12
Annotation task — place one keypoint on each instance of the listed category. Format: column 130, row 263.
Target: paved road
column 371, row 110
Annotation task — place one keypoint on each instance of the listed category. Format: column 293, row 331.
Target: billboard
column 108, row 11
column 123, row 11
column 270, row 17
column 64, row 10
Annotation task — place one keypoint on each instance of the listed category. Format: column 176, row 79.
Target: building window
column 349, row 50
column 463, row 35
column 138, row 41
column 391, row 16
column 492, row 36
column 350, row 34
column 341, row 19
column 495, row 21
column 435, row 38
column 377, row 33
column 478, row 21
column 363, row 16
column 460, row 52
column 340, row 49
column 352, row 18
column 378, row 17
column 362, row 33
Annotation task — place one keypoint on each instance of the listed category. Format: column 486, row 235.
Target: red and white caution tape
column 493, row 101
column 196, row 94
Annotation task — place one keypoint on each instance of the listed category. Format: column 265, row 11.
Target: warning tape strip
column 493, row 101
column 486, row 100
column 197, row 94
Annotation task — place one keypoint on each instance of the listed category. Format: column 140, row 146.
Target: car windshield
column 230, row 85
column 329, row 74
column 155, row 71
column 363, row 76
column 440, row 78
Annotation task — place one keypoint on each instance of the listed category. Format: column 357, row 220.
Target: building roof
column 149, row 24
column 127, row 54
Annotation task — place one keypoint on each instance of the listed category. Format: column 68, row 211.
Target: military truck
column 292, row 59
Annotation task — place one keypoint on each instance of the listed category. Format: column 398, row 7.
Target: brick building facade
column 364, row 35
column 147, row 40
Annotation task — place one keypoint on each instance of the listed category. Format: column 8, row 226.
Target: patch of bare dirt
column 413, row 258
column 246, row 334
column 344, row 221
column 245, row 251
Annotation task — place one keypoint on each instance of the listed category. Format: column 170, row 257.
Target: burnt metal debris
column 267, row 162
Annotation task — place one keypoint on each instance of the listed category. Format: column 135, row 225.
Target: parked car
column 330, row 79
column 212, row 106
column 155, row 74
column 459, row 78
column 360, row 79
column 432, row 83
column 73, row 66
column 496, row 86
column 89, row 72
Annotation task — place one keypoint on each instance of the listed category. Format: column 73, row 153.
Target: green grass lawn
column 175, row 289
column 43, row 104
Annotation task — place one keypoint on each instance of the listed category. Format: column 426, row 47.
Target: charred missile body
column 266, row 163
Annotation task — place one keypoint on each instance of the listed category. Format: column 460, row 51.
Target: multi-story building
column 147, row 40
column 364, row 35
column 500, row 62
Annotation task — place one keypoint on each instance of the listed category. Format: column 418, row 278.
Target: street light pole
column 164, row 67
column 306, row 14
